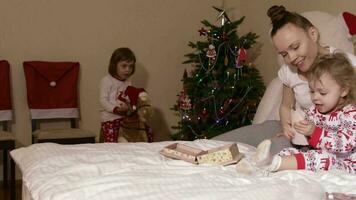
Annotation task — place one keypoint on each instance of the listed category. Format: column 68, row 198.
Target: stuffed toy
column 134, row 127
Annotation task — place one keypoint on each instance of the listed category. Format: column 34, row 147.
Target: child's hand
column 287, row 131
column 124, row 107
column 121, row 109
column 304, row 127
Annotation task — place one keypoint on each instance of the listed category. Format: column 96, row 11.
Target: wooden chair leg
column 12, row 183
column 5, row 153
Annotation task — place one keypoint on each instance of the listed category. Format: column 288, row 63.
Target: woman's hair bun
column 276, row 13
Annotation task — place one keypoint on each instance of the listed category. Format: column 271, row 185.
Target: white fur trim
column 54, row 113
column 5, row 115
column 143, row 94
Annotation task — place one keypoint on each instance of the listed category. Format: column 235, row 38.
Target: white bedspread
column 137, row 171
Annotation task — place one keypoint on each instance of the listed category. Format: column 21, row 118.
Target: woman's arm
column 288, row 101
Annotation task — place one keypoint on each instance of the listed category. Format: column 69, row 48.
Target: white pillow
column 333, row 30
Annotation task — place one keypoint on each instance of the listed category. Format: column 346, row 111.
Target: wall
column 158, row 31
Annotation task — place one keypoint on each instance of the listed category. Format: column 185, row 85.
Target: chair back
column 52, row 89
column 52, row 95
column 5, row 94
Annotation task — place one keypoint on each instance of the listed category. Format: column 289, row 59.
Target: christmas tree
column 223, row 89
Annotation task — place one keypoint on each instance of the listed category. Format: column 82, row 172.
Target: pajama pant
column 315, row 160
column 111, row 130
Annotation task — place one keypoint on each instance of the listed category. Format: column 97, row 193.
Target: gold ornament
column 226, row 61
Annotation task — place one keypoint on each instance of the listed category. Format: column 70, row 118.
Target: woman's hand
column 288, row 101
column 304, row 127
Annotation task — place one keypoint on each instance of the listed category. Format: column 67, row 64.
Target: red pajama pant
column 315, row 160
column 111, row 130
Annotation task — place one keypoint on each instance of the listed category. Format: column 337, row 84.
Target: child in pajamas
column 112, row 92
column 330, row 124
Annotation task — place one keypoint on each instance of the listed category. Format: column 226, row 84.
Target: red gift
column 52, row 90
column 5, row 94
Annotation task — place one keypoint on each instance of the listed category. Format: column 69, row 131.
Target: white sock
column 245, row 166
column 275, row 164
column 263, row 154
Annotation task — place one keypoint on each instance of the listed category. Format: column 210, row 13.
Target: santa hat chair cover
column 7, row 139
column 5, row 95
column 52, row 89
column 52, row 94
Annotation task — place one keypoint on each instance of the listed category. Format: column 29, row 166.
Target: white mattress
column 137, row 171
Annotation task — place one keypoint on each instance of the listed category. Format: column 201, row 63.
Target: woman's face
column 297, row 47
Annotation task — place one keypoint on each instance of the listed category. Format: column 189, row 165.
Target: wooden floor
column 5, row 191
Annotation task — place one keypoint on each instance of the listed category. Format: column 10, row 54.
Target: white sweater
column 110, row 89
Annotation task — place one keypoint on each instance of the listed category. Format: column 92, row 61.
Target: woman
column 295, row 38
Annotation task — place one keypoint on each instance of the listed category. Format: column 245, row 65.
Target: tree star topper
column 223, row 16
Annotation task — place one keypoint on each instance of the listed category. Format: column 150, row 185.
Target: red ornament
column 221, row 112
column 202, row 31
column 242, row 56
column 184, row 101
column 204, row 115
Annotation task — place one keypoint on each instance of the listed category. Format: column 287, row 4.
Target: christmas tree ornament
column 211, row 53
column 204, row 115
column 242, row 56
column 184, row 101
column 226, row 61
column 202, row 31
column 221, row 112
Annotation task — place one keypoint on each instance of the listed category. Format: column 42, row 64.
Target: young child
column 330, row 124
column 112, row 97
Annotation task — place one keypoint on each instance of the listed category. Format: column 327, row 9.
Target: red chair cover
column 5, row 100
column 52, row 89
column 5, row 95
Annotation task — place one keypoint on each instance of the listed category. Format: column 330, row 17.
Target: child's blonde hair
column 340, row 69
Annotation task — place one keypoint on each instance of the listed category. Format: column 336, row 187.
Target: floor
column 5, row 191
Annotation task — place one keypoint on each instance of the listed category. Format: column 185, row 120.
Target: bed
column 138, row 171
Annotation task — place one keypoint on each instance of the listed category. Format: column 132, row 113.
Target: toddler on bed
column 330, row 124
column 112, row 96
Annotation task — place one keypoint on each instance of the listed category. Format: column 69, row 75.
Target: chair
column 52, row 95
column 7, row 139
